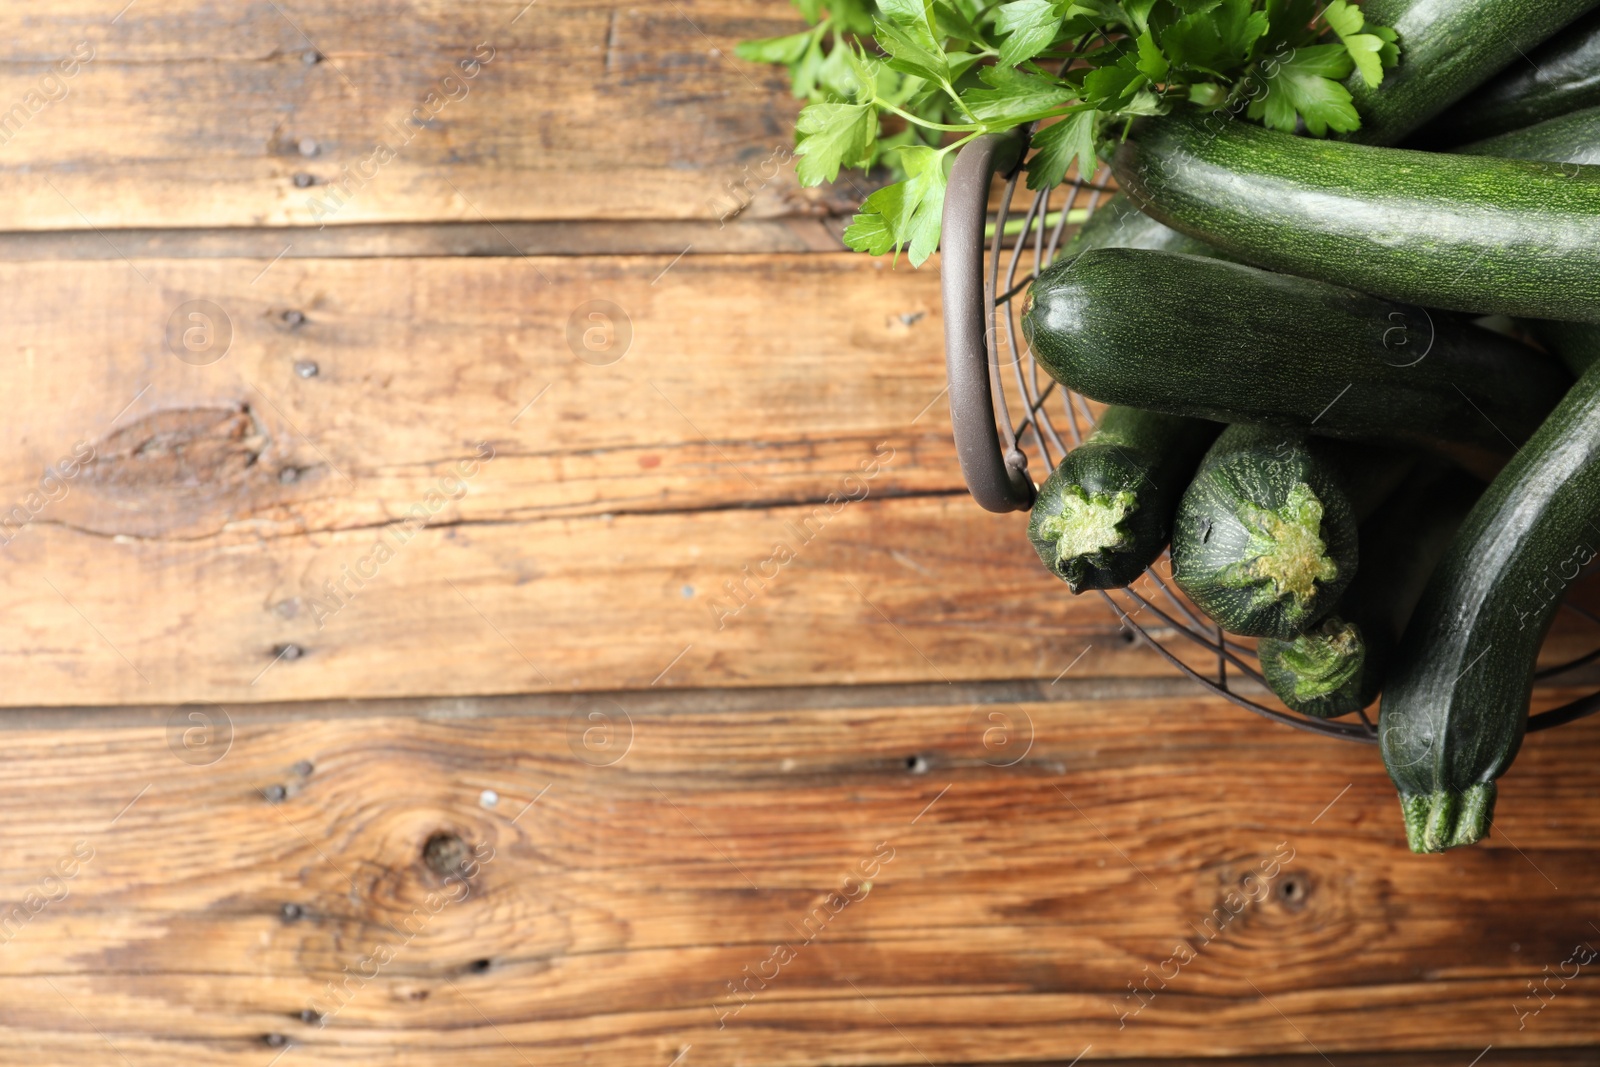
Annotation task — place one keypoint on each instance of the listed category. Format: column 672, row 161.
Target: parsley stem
column 909, row 117
column 950, row 91
column 1076, row 216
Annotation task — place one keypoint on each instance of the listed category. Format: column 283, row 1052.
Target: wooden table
column 424, row 670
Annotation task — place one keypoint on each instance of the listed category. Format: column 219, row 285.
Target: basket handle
column 997, row 482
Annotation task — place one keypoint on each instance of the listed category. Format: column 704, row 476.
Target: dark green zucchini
column 1222, row 341
column 1456, row 704
column 1571, row 138
column 1105, row 513
column 1265, row 537
column 1322, row 672
column 1469, row 233
column 1560, row 76
column 1338, row 666
column 1447, row 49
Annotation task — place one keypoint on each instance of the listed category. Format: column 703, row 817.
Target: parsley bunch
column 941, row 72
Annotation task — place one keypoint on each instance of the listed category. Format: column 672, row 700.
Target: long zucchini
column 1265, row 538
column 1338, row 666
column 1449, row 48
column 1222, row 341
column 1455, row 707
column 1571, row 138
column 1560, row 76
column 1105, row 513
column 1469, row 233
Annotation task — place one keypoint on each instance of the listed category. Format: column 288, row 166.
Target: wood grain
column 1010, row 910
column 249, row 527
column 700, row 382
column 621, row 504
column 192, row 113
column 590, row 237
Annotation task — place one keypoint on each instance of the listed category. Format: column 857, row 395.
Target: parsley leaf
column 1370, row 52
column 1016, row 97
column 787, row 49
column 950, row 21
column 1308, row 83
column 912, row 52
column 1151, row 62
column 1057, row 146
column 1030, row 25
column 833, row 136
column 906, row 213
column 938, row 73
column 1215, row 38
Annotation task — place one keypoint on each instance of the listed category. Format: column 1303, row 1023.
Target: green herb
column 904, row 83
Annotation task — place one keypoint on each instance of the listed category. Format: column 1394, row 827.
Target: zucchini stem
column 1288, row 549
column 1089, row 526
column 1447, row 819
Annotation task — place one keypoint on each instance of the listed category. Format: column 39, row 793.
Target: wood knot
column 186, row 472
column 192, row 451
column 1293, row 890
column 445, row 853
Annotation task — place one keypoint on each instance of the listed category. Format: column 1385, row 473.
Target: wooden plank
column 724, row 381
column 636, row 516
column 180, row 113
column 623, row 884
column 401, row 239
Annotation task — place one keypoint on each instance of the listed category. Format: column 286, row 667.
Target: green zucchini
column 1456, row 705
column 1448, row 48
column 1322, row 672
column 1265, row 538
column 1468, row 233
column 1571, row 138
column 1105, row 513
column 1222, row 341
column 1560, row 76
column 1338, row 666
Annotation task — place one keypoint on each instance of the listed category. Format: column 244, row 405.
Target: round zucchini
column 1468, row 233
column 1105, row 513
column 1222, row 341
column 1265, row 537
column 1572, row 138
column 1455, row 708
column 1560, row 76
column 1338, row 666
column 1448, row 49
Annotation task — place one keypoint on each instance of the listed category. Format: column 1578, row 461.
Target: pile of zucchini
column 1354, row 386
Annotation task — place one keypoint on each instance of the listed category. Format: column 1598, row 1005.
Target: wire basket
column 981, row 275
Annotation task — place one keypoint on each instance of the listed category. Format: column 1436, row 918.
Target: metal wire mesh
column 1013, row 251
